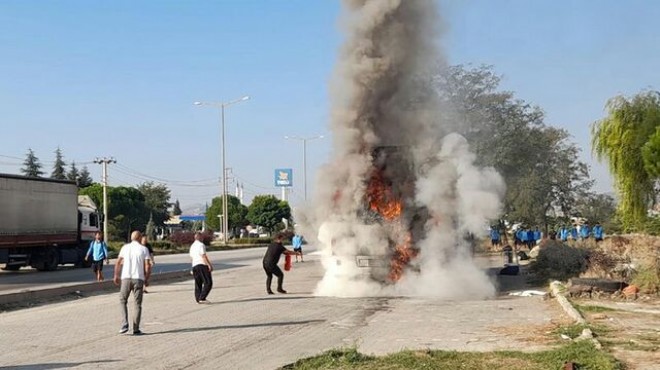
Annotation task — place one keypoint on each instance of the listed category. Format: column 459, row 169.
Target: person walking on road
column 271, row 258
column 297, row 242
column 145, row 241
column 201, row 268
column 99, row 252
column 134, row 266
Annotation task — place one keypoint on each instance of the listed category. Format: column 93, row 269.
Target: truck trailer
column 44, row 223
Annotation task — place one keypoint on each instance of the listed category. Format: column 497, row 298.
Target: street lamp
column 222, row 106
column 304, row 141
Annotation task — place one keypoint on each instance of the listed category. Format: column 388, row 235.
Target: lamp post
column 224, row 168
column 304, row 141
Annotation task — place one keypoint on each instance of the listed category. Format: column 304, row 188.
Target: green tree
column 73, row 174
column 651, row 155
column 599, row 208
column 84, row 179
column 537, row 162
column 268, row 211
column 31, row 165
column 235, row 210
column 176, row 210
column 94, row 191
column 618, row 139
column 126, row 209
column 157, row 200
column 59, row 172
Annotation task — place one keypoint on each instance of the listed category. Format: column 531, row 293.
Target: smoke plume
column 393, row 207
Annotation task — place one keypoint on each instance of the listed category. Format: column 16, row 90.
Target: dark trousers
column 203, row 282
column 270, row 271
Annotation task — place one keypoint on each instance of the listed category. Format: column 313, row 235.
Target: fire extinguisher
column 287, row 262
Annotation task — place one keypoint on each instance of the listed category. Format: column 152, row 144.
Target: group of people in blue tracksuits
column 581, row 232
column 526, row 236
column 523, row 236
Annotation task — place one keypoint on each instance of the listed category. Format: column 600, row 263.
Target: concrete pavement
column 246, row 329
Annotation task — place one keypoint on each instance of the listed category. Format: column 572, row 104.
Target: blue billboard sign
column 283, row 177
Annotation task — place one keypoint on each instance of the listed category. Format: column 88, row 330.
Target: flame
column 403, row 254
column 382, row 200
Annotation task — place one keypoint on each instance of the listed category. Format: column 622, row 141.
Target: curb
column 78, row 289
column 573, row 313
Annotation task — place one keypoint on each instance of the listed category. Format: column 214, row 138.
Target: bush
column 162, row 244
column 558, row 261
column 184, row 238
column 252, row 241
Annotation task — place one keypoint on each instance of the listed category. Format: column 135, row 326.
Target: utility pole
column 304, row 141
column 104, row 178
column 224, row 165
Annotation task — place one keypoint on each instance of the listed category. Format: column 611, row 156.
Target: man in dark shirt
column 271, row 258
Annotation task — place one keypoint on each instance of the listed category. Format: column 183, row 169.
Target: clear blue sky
column 118, row 78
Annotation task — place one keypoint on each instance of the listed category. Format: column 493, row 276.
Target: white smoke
column 382, row 120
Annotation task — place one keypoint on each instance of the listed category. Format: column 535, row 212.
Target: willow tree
column 618, row 140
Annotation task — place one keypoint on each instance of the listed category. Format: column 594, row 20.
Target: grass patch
column 592, row 309
column 573, row 331
column 582, row 353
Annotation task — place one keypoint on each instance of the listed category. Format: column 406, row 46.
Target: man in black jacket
column 271, row 258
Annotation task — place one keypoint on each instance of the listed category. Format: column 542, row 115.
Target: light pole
column 304, row 141
column 224, row 168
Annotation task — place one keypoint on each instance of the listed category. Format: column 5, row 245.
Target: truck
column 44, row 223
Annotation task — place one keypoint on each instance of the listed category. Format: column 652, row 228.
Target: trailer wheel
column 50, row 260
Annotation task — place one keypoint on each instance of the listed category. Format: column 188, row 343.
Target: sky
column 119, row 78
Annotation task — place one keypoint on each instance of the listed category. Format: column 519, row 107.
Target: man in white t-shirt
column 135, row 267
column 202, row 268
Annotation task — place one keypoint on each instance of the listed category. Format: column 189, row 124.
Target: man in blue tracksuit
column 530, row 238
column 598, row 232
column 563, row 233
column 538, row 235
column 494, row 237
column 99, row 252
column 585, row 231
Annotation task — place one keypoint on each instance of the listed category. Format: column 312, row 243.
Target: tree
column 537, row 162
column 31, row 165
column 94, row 191
column 618, row 140
column 126, row 209
column 268, row 211
column 651, row 155
column 598, row 208
column 59, row 172
column 73, row 174
column 84, row 179
column 157, row 200
column 177, row 208
column 235, row 210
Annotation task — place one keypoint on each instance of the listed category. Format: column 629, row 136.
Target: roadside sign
column 283, row 177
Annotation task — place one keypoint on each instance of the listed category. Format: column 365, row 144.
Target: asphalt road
column 31, row 279
column 244, row 328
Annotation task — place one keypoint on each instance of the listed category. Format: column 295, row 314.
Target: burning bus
column 386, row 226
